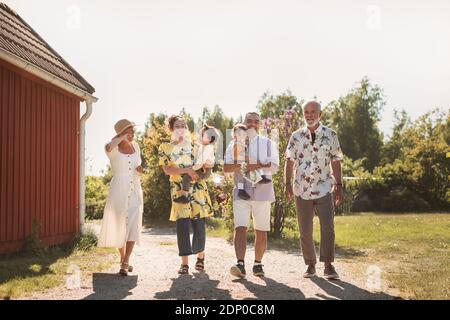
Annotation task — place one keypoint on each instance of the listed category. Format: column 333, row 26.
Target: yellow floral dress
column 182, row 156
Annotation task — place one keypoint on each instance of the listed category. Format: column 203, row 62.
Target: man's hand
column 289, row 193
column 338, row 195
column 252, row 167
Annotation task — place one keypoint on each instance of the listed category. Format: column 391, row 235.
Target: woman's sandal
column 130, row 268
column 184, row 269
column 200, row 264
column 124, row 267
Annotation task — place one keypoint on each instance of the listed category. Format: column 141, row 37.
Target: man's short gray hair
column 315, row 102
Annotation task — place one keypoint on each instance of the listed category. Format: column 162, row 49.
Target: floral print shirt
column 200, row 203
column 312, row 177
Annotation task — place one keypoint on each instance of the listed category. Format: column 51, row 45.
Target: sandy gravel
column 155, row 277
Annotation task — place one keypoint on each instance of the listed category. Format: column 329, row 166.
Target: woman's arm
column 174, row 171
column 114, row 143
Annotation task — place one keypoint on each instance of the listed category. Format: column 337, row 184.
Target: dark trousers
column 305, row 213
column 183, row 236
column 186, row 179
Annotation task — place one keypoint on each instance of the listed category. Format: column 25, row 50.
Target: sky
column 159, row 56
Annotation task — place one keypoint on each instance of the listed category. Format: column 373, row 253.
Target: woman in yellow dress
column 176, row 159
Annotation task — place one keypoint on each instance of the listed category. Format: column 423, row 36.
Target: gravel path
column 155, row 277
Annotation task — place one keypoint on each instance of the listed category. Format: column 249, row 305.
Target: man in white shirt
column 262, row 152
column 315, row 153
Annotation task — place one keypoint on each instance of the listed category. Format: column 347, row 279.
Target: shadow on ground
column 341, row 290
column 195, row 286
column 107, row 286
column 160, row 231
column 272, row 290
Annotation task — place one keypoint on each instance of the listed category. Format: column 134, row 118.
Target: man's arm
column 288, row 169
column 337, row 171
column 337, row 174
column 231, row 168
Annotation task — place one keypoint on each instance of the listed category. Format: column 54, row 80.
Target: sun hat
column 122, row 125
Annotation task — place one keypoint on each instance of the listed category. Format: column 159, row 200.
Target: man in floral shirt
column 315, row 153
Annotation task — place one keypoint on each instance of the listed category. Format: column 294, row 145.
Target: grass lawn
column 412, row 250
column 27, row 272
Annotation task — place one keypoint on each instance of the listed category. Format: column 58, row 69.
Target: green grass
column 413, row 249
column 27, row 272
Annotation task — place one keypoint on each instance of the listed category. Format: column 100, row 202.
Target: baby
column 203, row 155
column 240, row 155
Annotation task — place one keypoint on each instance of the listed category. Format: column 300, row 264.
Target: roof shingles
column 19, row 39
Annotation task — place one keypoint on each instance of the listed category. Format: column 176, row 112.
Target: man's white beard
column 314, row 123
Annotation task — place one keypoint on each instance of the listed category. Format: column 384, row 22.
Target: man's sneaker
column 330, row 273
column 310, row 271
column 238, row 270
column 243, row 194
column 265, row 180
column 258, row 270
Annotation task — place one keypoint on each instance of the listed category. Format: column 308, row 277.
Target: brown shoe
column 330, row 272
column 310, row 271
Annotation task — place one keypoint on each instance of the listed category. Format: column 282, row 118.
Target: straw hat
column 122, row 125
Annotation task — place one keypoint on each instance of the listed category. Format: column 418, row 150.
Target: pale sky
column 151, row 56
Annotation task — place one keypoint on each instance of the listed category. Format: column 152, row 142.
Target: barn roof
column 19, row 39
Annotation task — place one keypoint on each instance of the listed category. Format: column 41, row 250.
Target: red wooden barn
column 41, row 138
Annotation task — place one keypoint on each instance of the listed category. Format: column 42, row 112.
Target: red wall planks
column 39, row 126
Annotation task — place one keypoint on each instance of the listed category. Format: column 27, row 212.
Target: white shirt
column 312, row 161
column 266, row 151
column 204, row 155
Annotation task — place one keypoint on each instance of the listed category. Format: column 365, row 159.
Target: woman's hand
column 140, row 169
column 192, row 174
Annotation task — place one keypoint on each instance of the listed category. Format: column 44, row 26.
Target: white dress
column 122, row 217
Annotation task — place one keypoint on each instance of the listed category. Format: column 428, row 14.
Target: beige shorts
column 259, row 210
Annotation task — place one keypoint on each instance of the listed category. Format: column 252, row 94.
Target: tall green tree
column 274, row 106
column 394, row 147
column 355, row 117
column 188, row 118
column 219, row 120
column 155, row 184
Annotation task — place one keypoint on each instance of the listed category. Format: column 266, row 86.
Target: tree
column 355, row 117
column 421, row 166
column 274, row 106
column 393, row 148
column 219, row 120
column 280, row 114
column 155, row 184
column 188, row 118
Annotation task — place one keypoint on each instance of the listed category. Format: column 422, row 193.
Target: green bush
column 83, row 241
column 96, row 194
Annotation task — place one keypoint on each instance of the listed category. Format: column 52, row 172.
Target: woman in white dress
column 122, row 217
